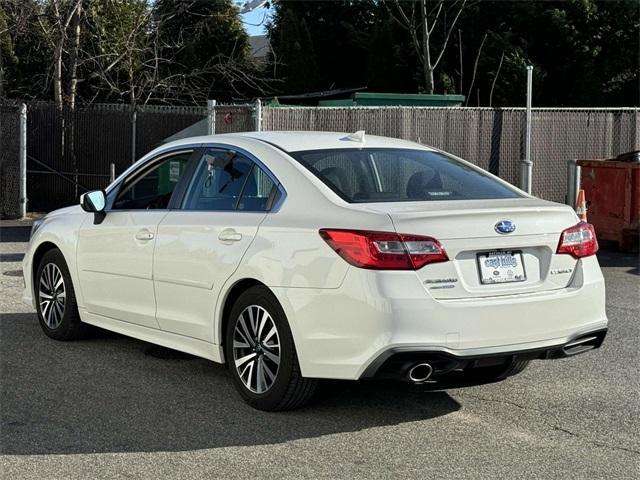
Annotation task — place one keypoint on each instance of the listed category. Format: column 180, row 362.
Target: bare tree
column 131, row 60
column 495, row 79
column 60, row 24
column 422, row 26
column 475, row 70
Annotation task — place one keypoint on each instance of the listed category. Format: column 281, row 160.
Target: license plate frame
column 507, row 272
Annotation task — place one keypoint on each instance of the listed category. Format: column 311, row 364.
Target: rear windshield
column 399, row 175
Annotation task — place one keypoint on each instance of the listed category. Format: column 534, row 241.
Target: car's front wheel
column 261, row 354
column 55, row 298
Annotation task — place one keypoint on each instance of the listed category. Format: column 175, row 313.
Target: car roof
column 299, row 141
column 306, row 140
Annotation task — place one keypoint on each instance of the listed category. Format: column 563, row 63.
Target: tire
column 496, row 373
column 55, row 298
column 261, row 381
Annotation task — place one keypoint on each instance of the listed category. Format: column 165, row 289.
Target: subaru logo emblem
column 505, row 226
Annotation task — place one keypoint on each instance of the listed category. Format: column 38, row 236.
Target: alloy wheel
column 256, row 349
column 52, row 295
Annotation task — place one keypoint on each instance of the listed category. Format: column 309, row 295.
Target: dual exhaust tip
column 420, row 372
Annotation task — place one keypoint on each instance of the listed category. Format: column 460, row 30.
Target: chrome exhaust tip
column 420, row 372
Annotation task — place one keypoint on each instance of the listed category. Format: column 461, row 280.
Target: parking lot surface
column 114, row 407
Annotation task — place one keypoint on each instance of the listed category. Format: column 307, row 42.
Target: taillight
column 384, row 250
column 578, row 241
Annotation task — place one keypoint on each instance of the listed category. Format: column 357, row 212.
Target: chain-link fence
column 71, row 151
column 562, row 135
column 491, row 138
column 9, row 161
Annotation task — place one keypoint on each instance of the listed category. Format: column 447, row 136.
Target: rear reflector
column 578, row 241
column 384, row 250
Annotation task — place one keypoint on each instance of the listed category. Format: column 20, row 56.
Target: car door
column 199, row 246
column 115, row 256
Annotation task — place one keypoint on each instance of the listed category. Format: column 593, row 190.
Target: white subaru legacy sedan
column 297, row 256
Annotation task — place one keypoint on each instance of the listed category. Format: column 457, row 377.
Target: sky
column 254, row 22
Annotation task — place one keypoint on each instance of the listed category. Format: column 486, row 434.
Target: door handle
column 229, row 235
column 144, row 235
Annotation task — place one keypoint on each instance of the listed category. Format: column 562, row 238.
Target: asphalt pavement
column 113, row 407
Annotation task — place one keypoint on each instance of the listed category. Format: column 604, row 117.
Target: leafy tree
column 295, row 60
column 328, row 40
column 24, row 55
column 207, row 42
column 119, row 46
column 584, row 52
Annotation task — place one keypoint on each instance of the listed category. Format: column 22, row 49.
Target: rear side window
column 226, row 180
column 398, row 175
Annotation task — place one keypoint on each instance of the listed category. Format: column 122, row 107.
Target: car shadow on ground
column 611, row 257
column 110, row 393
column 14, row 233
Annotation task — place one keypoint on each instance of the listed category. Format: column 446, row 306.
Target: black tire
column 495, row 373
column 69, row 326
column 289, row 389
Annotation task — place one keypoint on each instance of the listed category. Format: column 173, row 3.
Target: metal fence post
column 574, row 174
column 636, row 121
column 258, row 115
column 211, row 117
column 112, row 172
column 527, row 165
column 134, row 121
column 23, row 160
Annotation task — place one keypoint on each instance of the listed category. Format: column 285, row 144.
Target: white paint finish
column 298, row 141
column 341, row 317
column 374, row 311
column 60, row 229
column 192, row 263
column 115, row 261
column 183, row 343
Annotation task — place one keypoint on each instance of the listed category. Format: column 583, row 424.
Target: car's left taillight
column 384, row 250
column 578, row 241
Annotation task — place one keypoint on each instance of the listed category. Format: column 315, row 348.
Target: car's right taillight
column 384, row 250
column 578, row 241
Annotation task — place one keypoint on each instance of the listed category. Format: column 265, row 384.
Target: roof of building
column 260, row 46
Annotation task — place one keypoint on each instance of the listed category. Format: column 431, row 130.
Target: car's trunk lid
column 467, row 230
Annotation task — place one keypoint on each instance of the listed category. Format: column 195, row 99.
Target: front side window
column 397, row 175
column 152, row 187
column 225, row 181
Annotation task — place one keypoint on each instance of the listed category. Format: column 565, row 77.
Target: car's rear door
column 115, row 256
column 201, row 244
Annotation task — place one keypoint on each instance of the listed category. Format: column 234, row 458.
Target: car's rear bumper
column 396, row 362
column 340, row 333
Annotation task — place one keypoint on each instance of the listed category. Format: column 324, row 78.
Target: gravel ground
column 114, row 407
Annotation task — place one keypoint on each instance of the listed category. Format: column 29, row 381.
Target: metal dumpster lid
column 628, row 157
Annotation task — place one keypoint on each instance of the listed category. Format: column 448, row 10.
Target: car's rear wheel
column 55, row 298
column 497, row 372
column 261, row 354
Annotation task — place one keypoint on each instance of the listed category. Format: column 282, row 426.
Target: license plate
column 501, row 267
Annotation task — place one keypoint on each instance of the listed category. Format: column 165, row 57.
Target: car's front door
column 200, row 245
column 115, row 256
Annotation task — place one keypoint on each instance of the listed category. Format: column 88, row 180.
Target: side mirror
column 93, row 202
